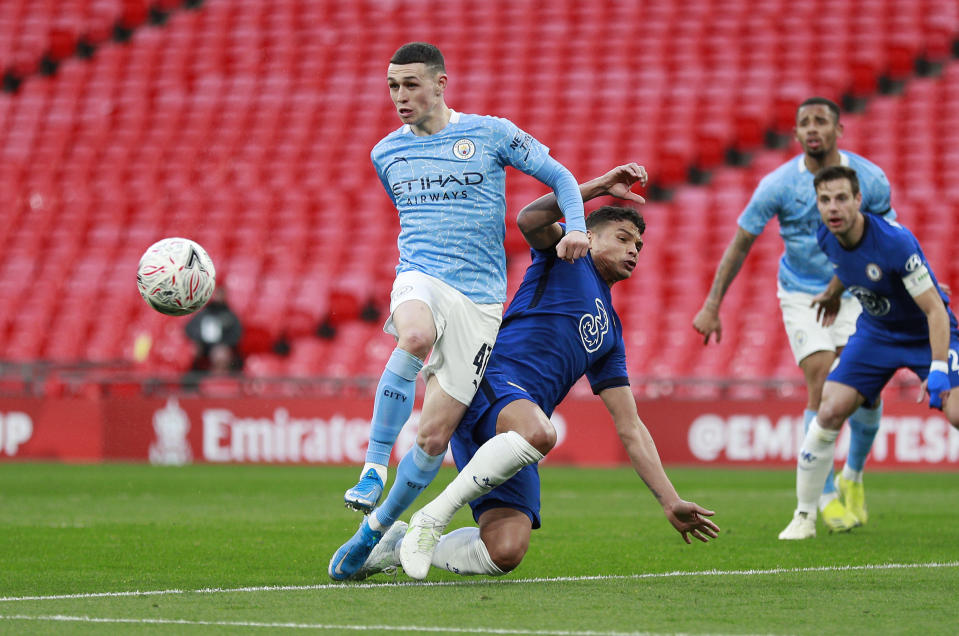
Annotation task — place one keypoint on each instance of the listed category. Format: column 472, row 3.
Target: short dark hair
column 821, row 101
column 610, row 213
column 420, row 52
column 834, row 173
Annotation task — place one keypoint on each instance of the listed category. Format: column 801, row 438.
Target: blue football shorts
column 519, row 492
column 868, row 363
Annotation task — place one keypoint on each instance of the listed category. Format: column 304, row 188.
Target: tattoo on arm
column 659, row 497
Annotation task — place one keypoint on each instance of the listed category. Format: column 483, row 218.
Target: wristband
column 939, row 365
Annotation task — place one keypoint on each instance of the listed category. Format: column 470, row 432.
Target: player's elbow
column 525, row 222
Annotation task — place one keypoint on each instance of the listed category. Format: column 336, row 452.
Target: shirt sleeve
column 609, row 371
column 763, row 206
column 910, row 263
column 877, row 195
column 518, row 148
column 382, row 177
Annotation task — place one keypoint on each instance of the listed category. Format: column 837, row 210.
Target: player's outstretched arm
column 706, row 321
column 936, row 384
column 538, row 220
column 688, row 518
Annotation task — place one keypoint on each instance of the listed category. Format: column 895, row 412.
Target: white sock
column 851, row 474
column 501, row 457
column 380, row 469
column 463, row 552
column 816, row 456
column 825, row 500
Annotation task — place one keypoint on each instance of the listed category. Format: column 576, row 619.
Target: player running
column 905, row 322
column 804, row 271
column 559, row 326
column 445, row 171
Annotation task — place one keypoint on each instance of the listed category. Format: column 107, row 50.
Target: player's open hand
column 707, row 323
column 618, row 181
column 572, row 246
column 690, row 519
column 827, row 308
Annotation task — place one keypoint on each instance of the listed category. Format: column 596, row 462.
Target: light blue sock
column 393, row 404
column 863, row 426
column 414, row 474
column 830, row 486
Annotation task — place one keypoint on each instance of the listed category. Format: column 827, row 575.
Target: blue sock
column 830, row 485
column 863, row 425
column 414, row 474
column 393, row 404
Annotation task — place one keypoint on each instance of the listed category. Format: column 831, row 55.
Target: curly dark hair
column 821, row 101
column 610, row 213
column 834, row 173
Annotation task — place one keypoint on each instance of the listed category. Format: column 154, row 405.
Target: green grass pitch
column 134, row 549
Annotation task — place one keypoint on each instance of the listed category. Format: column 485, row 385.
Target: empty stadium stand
column 247, row 125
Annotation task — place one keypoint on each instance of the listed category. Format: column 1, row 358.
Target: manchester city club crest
column 464, row 149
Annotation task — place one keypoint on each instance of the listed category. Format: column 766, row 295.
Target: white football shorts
column 465, row 332
column 806, row 334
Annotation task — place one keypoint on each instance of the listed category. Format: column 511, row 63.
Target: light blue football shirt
column 788, row 193
column 450, row 191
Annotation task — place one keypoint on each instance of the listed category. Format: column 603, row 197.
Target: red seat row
column 248, row 127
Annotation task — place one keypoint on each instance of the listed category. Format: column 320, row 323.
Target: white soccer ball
column 176, row 276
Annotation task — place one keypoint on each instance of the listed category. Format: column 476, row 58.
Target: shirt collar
column 843, row 161
column 454, row 119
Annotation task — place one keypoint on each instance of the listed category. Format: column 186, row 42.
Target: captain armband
column 918, row 281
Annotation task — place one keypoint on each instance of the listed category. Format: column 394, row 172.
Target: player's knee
column 416, row 341
column 831, row 415
column 541, row 436
column 951, row 408
column 433, row 440
column 507, row 553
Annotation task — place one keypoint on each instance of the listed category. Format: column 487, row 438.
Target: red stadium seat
column 220, row 124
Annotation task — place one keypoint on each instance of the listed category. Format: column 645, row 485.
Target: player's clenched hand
column 707, row 323
column 690, row 519
column 572, row 246
column 827, row 308
column 937, row 386
column 618, row 181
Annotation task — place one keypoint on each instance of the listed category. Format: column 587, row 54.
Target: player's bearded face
column 416, row 92
column 817, row 130
column 614, row 248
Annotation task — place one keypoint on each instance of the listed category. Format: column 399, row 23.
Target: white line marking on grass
column 556, row 579
column 356, row 628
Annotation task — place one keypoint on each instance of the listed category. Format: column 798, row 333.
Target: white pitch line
column 558, row 579
column 316, row 626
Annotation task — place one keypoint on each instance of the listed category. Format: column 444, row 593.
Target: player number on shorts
column 953, row 360
column 482, row 357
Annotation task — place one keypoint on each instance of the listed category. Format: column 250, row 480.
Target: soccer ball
column 176, row 276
